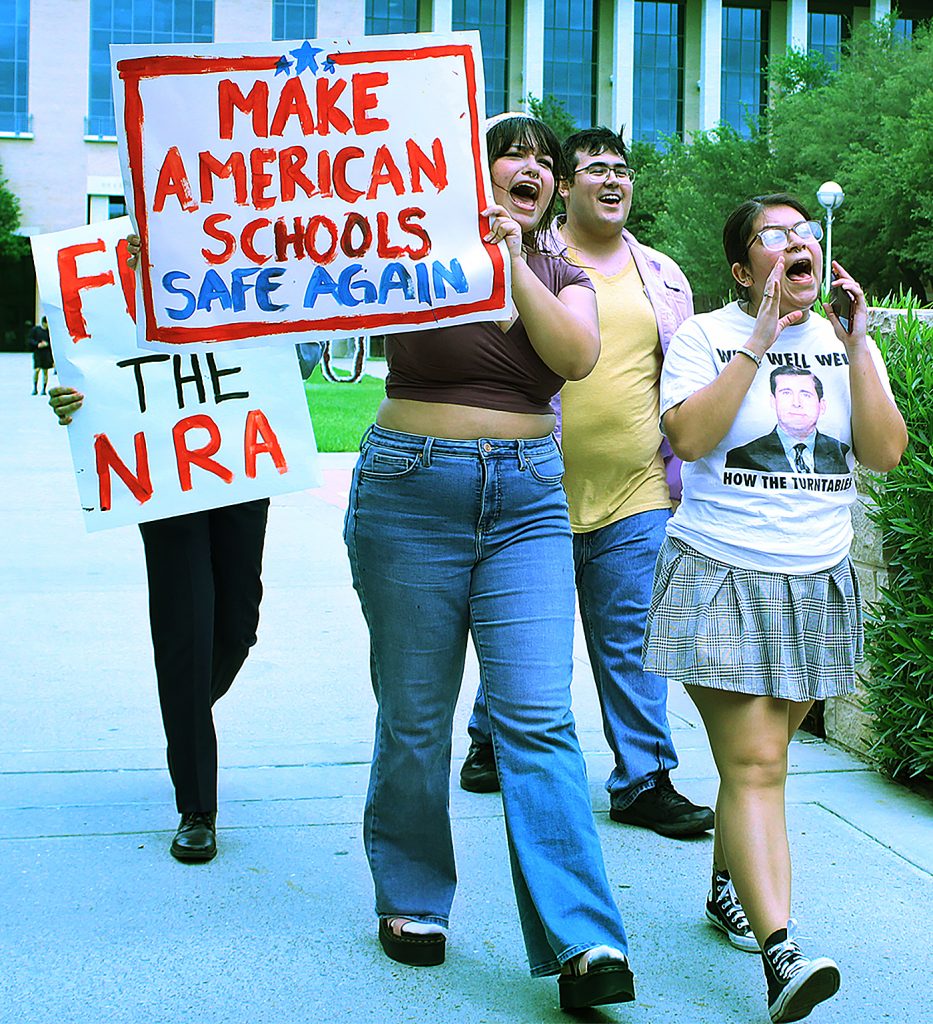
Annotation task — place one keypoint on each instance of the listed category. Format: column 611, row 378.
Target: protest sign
column 321, row 188
column 162, row 434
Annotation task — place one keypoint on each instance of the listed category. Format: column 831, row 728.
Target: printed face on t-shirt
column 797, row 404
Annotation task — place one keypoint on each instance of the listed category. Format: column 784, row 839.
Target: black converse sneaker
column 795, row 983
column 725, row 912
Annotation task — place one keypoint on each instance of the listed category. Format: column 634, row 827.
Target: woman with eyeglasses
column 457, row 526
column 756, row 607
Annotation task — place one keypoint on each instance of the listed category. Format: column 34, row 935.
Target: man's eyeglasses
column 775, row 238
column 601, row 172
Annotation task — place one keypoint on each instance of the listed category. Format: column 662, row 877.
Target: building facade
column 658, row 68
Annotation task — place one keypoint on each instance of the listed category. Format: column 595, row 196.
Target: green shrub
column 899, row 634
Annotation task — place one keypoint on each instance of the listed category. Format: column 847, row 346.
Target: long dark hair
column 534, row 134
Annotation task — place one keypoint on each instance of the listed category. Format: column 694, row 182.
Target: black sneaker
column 725, row 912
column 478, row 774
column 663, row 809
column 795, row 983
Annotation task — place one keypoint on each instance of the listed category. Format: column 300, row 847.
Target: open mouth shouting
column 524, row 195
column 800, row 270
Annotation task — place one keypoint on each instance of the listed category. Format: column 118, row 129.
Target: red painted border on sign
column 133, row 70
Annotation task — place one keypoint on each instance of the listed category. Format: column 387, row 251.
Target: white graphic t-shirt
column 775, row 493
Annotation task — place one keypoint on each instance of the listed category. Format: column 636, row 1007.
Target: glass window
column 14, row 66
column 658, row 107
column 570, row 57
column 116, row 207
column 491, row 17
column 385, row 17
column 137, row 21
column 744, row 57
column 910, row 17
column 828, row 26
column 294, row 19
column 903, row 28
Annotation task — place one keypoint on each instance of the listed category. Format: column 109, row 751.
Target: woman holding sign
column 756, row 607
column 458, row 526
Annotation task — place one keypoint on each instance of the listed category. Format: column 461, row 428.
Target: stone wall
column 844, row 720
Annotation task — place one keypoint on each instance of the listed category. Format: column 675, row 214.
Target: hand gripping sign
column 161, row 434
column 324, row 188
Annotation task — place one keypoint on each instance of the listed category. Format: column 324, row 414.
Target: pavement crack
column 874, row 839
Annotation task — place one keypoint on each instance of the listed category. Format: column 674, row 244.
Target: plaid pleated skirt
column 797, row 637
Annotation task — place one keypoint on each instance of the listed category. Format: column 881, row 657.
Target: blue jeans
column 448, row 539
column 614, row 569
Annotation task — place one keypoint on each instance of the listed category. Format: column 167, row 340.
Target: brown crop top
column 479, row 364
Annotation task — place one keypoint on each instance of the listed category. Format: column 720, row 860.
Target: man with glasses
column 620, row 480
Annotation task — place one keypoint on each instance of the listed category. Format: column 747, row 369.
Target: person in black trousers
column 41, row 347
column 203, row 570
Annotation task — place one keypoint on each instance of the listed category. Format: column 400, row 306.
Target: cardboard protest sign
column 322, row 188
column 163, row 434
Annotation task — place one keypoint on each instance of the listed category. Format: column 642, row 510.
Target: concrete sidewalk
column 99, row 924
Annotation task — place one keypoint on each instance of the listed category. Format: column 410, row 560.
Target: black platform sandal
column 412, row 949
column 595, row 978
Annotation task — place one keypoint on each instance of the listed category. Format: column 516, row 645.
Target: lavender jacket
column 668, row 291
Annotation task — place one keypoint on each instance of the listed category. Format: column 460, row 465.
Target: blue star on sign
column 283, row 65
column 329, row 66
column 306, row 57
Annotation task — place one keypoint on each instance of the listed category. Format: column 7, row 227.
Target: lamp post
column 830, row 197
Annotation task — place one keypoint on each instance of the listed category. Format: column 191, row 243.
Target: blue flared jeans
column 449, row 539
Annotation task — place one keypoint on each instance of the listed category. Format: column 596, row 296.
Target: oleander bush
column 899, row 633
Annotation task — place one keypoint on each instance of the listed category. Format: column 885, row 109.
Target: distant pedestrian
column 755, row 606
column 41, row 346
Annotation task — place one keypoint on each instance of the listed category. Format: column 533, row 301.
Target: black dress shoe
column 414, row 950
column 479, row 774
column 196, row 838
column 666, row 811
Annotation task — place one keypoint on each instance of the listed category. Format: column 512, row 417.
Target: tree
column 685, row 192
column 12, row 245
column 553, row 113
column 799, row 71
column 870, row 127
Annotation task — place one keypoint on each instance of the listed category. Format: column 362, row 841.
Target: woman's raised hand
column 769, row 323
column 503, row 228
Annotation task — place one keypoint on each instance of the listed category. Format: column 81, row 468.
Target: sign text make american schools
column 308, row 188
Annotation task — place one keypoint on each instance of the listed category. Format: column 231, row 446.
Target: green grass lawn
column 341, row 412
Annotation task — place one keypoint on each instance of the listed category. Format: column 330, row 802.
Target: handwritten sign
column 163, row 434
column 325, row 188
